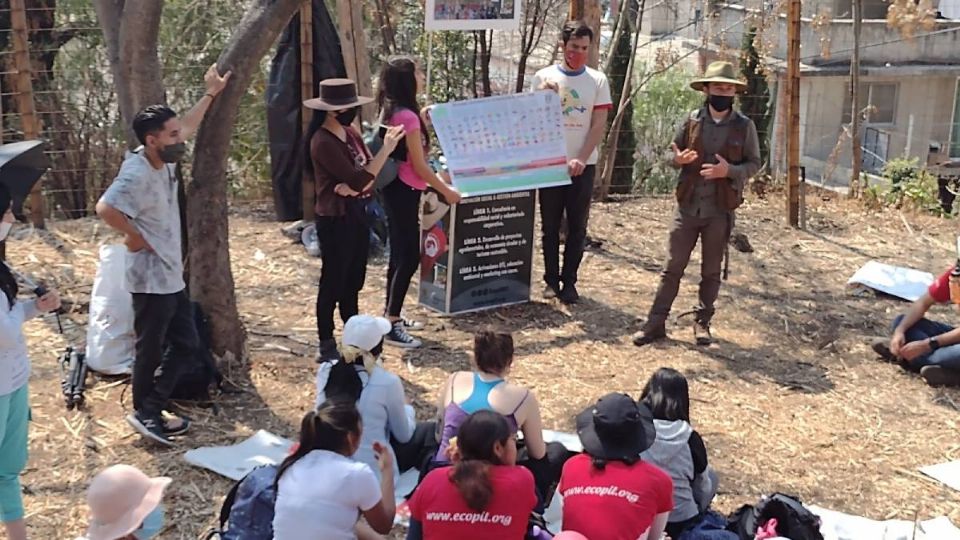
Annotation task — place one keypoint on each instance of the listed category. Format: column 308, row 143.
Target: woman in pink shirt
column 400, row 82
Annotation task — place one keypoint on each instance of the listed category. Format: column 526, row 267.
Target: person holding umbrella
column 14, row 367
column 142, row 204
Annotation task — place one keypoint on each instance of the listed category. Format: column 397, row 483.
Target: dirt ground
column 790, row 399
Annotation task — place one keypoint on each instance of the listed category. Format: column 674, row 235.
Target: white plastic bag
column 110, row 337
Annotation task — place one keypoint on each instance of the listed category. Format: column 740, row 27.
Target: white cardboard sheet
column 948, row 473
column 839, row 526
column 905, row 283
column 234, row 462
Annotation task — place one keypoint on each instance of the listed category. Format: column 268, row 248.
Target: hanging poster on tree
column 473, row 15
column 503, row 143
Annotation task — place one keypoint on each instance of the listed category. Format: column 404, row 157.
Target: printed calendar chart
column 503, row 143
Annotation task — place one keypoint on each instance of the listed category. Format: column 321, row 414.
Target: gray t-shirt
column 148, row 197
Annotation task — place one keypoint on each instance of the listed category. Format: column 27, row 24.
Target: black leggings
column 402, row 203
column 343, row 253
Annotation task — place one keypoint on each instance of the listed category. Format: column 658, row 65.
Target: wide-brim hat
column 122, row 496
column 616, row 428
column 337, row 94
column 719, row 72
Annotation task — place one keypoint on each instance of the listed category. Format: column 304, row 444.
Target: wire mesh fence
column 910, row 109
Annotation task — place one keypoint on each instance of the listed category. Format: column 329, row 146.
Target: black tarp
column 284, row 104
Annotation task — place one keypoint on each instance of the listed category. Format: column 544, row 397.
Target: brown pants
column 713, row 233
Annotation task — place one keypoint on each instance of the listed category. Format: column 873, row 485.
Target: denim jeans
column 946, row 357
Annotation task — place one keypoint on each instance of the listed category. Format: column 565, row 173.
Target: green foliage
column 755, row 102
column 910, row 187
column 664, row 103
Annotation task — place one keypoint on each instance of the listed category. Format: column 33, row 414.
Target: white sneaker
column 399, row 337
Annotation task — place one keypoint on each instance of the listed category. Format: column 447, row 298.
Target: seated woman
column 608, row 492
column 484, row 495
column 486, row 388
column 321, row 492
column 679, row 450
column 358, row 377
column 125, row 504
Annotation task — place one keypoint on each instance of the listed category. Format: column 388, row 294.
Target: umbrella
column 21, row 165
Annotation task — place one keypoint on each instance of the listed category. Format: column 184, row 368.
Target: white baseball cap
column 365, row 331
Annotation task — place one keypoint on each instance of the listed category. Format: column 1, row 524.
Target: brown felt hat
column 719, row 72
column 337, row 94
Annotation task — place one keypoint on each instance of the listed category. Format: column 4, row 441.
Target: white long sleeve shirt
column 14, row 362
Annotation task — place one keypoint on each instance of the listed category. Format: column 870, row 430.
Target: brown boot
column 702, row 335
column 649, row 334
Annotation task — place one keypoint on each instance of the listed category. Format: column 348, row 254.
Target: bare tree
column 535, row 13
column 130, row 30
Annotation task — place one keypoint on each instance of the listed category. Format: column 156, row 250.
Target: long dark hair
column 344, row 382
column 8, row 283
column 316, row 122
column 397, row 89
column 477, row 436
column 668, row 395
column 326, row 428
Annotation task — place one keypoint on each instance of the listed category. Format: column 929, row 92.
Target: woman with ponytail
column 358, row 377
column 483, row 495
column 14, row 374
column 321, row 492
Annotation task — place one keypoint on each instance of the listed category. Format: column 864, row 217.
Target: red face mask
column 575, row 60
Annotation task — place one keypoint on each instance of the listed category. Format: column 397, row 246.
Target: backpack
column 247, row 512
column 199, row 372
column 794, row 521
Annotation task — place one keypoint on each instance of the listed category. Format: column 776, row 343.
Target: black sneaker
column 150, row 427
column 551, row 291
column 881, row 346
column 940, row 376
column 411, row 324
column 174, row 425
column 328, row 351
column 569, row 294
column 399, row 337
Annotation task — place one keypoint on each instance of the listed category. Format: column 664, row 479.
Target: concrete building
column 911, row 88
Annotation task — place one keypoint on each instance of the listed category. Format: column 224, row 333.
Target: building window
column 883, row 99
column 955, row 127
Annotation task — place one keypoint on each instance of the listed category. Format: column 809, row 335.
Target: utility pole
column 793, row 114
column 307, row 91
column 855, row 101
column 23, row 88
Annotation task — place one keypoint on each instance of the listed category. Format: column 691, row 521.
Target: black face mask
column 172, row 153
column 721, row 103
column 347, row 117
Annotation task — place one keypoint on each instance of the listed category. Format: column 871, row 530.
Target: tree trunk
column 353, row 42
column 131, row 32
column 473, row 64
column 621, row 178
column 486, row 43
column 211, row 279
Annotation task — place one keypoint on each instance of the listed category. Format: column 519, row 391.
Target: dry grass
column 791, row 399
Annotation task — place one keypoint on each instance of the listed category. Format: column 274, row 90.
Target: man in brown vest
column 716, row 150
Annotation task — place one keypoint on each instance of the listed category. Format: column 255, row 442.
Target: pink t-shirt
column 411, row 126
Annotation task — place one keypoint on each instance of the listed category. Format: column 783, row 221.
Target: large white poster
column 473, row 14
column 503, row 143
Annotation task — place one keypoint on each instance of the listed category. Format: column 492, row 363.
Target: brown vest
column 728, row 196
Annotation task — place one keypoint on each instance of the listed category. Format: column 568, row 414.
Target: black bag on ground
column 794, row 521
column 198, row 373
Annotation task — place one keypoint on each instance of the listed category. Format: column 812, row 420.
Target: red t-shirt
column 616, row 503
column 438, row 506
column 939, row 290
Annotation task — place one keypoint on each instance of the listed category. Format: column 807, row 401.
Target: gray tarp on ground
column 283, row 104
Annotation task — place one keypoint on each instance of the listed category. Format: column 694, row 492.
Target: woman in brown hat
column 343, row 171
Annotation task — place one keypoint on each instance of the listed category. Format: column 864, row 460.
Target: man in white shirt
column 585, row 99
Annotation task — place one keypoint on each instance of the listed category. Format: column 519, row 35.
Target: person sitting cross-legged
column 921, row 345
